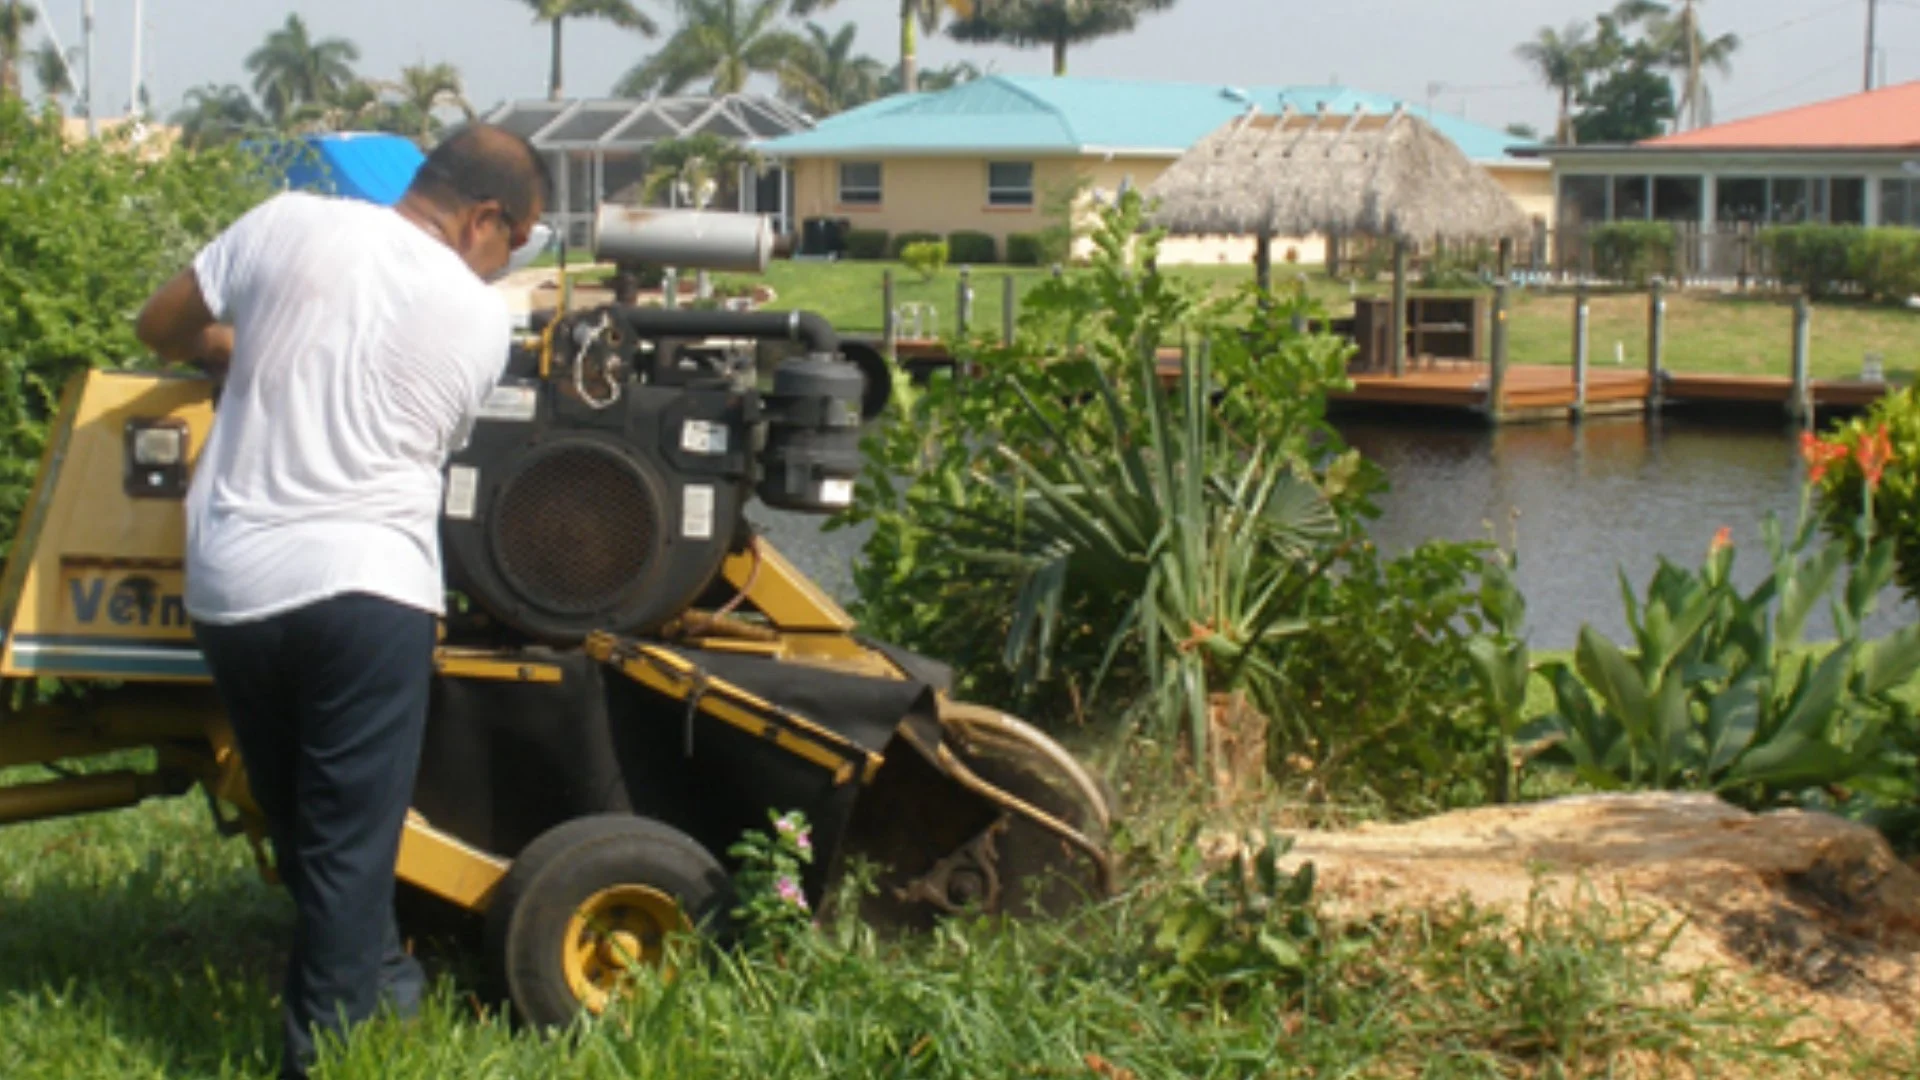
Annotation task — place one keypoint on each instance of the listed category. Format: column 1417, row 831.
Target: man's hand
column 177, row 326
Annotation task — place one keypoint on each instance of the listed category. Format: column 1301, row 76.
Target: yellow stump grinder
column 629, row 677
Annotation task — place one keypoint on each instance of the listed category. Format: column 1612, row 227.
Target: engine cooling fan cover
column 581, row 532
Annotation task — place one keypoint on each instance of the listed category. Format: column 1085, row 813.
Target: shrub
column 1633, row 252
column 1885, row 264
column 901, row 241
column 1717, row 692
column 972, row 248
column 1460, row 266
column 1879, row 264
column 86, row 233
column 1026, row 249
column 1817, row 258
column 1841, row 481
column 867, row 243
column 926, row 257
column 1377, row 700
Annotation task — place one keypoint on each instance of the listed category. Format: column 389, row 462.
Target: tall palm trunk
column 554, row 84
column 1566, row 137
column 909, row 60
column 1692, row 22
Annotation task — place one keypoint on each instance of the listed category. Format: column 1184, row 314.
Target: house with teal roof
column 989, row 155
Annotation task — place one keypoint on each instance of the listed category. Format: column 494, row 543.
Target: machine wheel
column 590, row 900
column 1037, row 869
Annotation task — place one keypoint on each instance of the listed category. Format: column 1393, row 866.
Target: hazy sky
column 1796, row 50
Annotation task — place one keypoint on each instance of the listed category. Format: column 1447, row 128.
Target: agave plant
column 1132, row 511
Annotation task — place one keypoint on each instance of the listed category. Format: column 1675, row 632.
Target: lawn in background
column 1706, row 331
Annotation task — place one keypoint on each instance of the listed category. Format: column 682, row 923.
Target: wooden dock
column 1772, row 390
column 1527, row 388
column 1542, row 391
column 1529, row 392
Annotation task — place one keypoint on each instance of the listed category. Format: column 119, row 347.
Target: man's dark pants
column 328, row 704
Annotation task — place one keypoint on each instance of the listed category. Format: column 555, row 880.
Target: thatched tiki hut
column 1390, row 176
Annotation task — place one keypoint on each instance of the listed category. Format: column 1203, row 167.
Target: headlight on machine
column 156, row 458
column 159, row 447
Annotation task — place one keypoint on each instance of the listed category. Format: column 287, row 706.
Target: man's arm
column 177, row 325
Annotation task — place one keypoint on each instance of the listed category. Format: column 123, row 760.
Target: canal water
column 1583, row 501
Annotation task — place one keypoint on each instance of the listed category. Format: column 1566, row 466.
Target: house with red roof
column 1853, row 160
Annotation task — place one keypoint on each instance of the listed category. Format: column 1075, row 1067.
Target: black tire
column 528, row 918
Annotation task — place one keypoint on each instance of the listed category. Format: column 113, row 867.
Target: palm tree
column 721, row 41
column 53, row 72
column 826, row 76
column 945, row 78
column 694, row 170
column 620, row 13
column 425, row 89
column 16, row 18
column 915, row 16
column 1684, row 49
column 215, row 115
column 1054, row 23
column 291, row 69
column 1562, row 59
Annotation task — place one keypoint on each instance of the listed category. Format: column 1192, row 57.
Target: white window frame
column 1008, row 196
column 861, row 194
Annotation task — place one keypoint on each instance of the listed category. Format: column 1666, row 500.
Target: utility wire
column 1795, row 85
column 1801, row 20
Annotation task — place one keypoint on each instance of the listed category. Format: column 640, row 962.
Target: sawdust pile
column 1818, row 913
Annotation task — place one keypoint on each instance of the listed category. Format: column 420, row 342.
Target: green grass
column 138, row 944
column 1705, row 332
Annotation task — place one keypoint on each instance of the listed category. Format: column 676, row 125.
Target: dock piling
column 1008, row 298
column 1656, row 342
column 889, row 319
column 1799, row 397
column 963, row 304
column 1582, row 348
column 1398, row 348
column 1496, row 386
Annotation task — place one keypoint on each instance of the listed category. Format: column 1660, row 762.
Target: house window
column 1583, row 200
column 1847, row 204
column 1741, row 199
column 859, row 183
column 1899, row 202
column 1676, row 198
column 1630, row 198
column 1792, row 202
column 1010, row 183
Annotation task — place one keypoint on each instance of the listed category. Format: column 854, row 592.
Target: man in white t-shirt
column 358, row 342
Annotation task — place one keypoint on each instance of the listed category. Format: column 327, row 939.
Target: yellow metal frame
column 666, row 672
column 93, row 590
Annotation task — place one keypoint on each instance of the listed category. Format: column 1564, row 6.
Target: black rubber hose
column 803, row 326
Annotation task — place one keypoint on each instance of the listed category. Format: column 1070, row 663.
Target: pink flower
column 791, row 830
column 789, row 891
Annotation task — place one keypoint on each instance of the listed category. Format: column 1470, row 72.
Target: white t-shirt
column 363, row 347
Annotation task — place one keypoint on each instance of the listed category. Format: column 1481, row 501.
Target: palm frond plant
column 1130, row 518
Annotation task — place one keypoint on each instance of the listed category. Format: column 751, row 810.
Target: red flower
column 1722, row 540
column 1819, row 454
column 1875, row 451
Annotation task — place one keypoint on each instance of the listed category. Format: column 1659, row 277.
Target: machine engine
column 605, row 481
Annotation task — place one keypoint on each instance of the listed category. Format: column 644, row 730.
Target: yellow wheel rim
column 614, row 932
